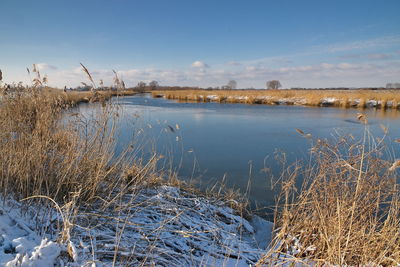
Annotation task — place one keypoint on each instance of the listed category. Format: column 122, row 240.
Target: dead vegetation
column 347, row 210
column 41, row 154
column 76, row 97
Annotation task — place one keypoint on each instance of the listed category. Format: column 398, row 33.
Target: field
column 338, row 98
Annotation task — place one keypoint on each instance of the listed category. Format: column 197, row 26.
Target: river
column 210, row 142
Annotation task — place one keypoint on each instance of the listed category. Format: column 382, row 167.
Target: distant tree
column 153, row 85
column 141, row 86
column 232, row 84
column 274, row 84
column 392, row 85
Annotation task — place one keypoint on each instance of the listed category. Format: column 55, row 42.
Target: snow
column 328, row 101
column 372, row 103
column 42, row 255
column 284, row 101
column 213, row 97
column 19, row 245
column 160, row 226
column 262, row 231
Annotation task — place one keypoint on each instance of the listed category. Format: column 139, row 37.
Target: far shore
column 384, row 99
column 77, row 97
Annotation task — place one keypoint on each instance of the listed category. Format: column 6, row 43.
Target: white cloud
column 234, row 63
column 45, row 66
column 327, row 66
column 386, row 41
column 373, row 56
column 199, row 64
column 379, row 56
column 251, row 68
column 346, row 66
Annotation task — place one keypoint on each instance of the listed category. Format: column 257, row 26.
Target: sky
column 308, row 43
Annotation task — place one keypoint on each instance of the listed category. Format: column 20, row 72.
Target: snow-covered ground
column 161, row 226
column 20, row 245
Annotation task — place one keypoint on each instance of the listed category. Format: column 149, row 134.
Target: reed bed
column 41, row 154
column 76, row 97
column 338, row 98
column 347, row 211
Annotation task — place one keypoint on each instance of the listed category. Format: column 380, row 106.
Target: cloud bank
column 313, row 75
column 367, row 63
column 45, row 66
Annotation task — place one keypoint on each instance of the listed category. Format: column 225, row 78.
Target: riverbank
column 336, row 98
column 77, row 97
column 70, row 97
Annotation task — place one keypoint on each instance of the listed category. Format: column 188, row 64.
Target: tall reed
column 347, row 211
column 45, row 150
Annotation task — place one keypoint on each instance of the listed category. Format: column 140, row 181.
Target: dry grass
column 343, row 98
column 76, row 97
column 42, row 155
column 348, row 209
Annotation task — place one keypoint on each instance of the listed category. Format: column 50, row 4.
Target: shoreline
column 388, row 99
column 77, row 97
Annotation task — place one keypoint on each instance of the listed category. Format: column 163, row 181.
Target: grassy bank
column 338, row 98
column 76, row 97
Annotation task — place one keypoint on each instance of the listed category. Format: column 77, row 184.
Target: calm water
column 209, row 141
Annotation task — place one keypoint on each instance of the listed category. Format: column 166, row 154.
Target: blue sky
column 204, row 43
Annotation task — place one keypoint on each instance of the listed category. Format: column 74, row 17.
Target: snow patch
column 213, row 97
column 19, row 244
column 160, row 226
column 44, row 255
